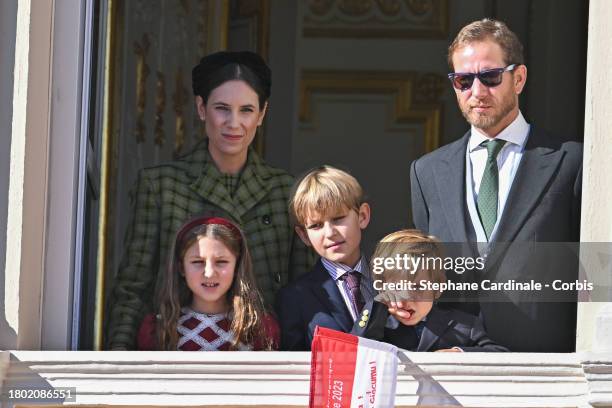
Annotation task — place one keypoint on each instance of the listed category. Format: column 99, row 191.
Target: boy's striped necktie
column 353, row 281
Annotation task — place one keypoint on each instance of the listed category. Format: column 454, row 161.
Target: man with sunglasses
column 505, row 182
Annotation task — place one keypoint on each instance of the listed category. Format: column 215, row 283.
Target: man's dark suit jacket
column 543, row 205
column 310, row 301
column 444, row 329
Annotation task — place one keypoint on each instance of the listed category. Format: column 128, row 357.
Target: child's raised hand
column 397, row 309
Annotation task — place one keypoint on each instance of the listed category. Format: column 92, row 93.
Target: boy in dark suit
column 416, row 323
column 329, row 213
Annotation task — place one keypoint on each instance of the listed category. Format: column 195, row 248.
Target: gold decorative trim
column 416, row 95
column 224, row 25
column 219, row 30
column 201, row 25
column 264, row 30
column 141, row 49
column 106, row 174
column 160, row 106
column 179, row 99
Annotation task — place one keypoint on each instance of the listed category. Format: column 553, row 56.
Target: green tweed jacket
column 166, row 196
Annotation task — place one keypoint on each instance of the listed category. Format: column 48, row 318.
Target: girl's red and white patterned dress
column 206, row 332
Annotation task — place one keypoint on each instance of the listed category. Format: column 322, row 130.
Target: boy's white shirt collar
column 336, row 270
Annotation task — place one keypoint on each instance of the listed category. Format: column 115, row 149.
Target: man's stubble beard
column 489, row 121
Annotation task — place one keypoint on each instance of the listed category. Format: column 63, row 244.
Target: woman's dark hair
column 220, row 67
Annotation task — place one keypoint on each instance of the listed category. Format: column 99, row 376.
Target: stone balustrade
column 282, row 378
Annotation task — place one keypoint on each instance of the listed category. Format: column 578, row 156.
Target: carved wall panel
column 249, row 26
column 415, row 96
column 372, row 124
column 376, row 18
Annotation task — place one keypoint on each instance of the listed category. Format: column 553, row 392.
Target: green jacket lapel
column 206, row 179
column 254, row 184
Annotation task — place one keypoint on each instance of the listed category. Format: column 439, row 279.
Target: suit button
column 266, row 220
column 366, row 312
column 362, row 323
column 277, row 278
column 364, row 318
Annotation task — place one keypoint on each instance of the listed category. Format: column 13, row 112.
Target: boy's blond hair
column 413, row 243
column 324, row 191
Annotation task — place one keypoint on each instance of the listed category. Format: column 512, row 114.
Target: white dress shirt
column 508, row 160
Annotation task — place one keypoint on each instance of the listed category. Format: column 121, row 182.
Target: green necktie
column 489, row 185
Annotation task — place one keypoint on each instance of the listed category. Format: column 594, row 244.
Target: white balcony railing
column 282, row 379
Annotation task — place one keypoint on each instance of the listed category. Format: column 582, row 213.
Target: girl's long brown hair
column 246, row 308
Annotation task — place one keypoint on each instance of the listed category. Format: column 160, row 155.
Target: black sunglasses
column 489, row 78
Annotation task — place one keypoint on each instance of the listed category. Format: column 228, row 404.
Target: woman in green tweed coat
column 222, row 176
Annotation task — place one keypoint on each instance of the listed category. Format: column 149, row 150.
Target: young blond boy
column 329, row 213
column 418, row 324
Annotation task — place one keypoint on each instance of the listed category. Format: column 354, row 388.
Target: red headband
column 208, row 221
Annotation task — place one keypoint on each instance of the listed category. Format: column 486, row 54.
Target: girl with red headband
column 208, row 299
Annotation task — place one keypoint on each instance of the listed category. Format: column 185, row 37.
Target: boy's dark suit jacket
column 314, row 299
column 444, row 329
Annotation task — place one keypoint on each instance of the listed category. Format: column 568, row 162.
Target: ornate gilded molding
column 416, row 96
column 160, row 105
column 376, row 18
column 179, row 99
column 419, row 7
column 141, row 49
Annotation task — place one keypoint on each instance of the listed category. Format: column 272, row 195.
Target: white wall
column 595, row 318
column 8, row 18
column 65, row 128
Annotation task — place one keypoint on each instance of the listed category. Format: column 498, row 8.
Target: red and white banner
column 350, row 371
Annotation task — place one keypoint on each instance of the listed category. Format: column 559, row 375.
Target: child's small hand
column 396, row 309
column 450, row 350
column 403, row 312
